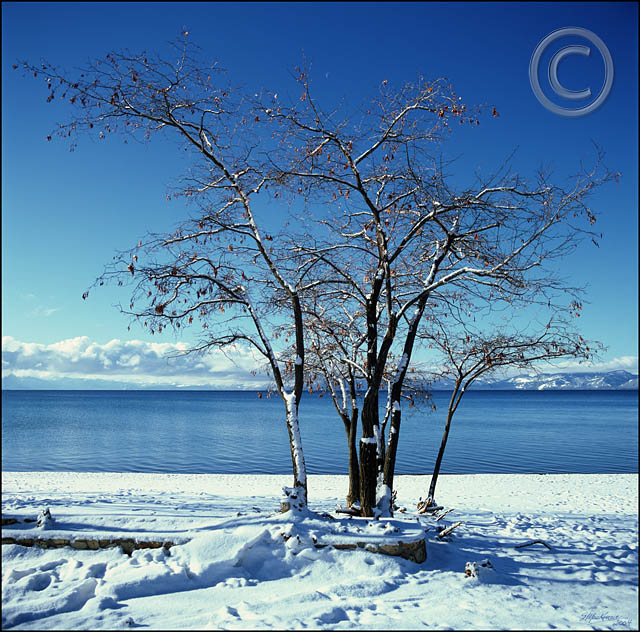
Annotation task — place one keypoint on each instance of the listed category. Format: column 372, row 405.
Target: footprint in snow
column 96, row 570
column 334, row 615
column 38, row 582
column 228, row 611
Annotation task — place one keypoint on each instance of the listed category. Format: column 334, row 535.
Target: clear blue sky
column 64, row 214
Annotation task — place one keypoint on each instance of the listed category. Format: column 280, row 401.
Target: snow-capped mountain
column 611, row 380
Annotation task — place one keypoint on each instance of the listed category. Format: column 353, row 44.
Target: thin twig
column 519, row 546
column 443, row 514
column 423, row 507
column 448, row 530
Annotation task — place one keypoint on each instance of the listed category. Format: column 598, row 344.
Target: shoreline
column 611, row 493
column 118, row 472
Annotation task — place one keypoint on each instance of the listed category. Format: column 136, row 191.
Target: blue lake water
column 235, row 432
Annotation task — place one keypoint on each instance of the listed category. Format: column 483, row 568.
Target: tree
column 400, row 233
column 336, row 360
column 219, row 267
column 467, row 353
column 309, row 134
column 394, row 232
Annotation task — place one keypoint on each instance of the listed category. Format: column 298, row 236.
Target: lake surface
column 235, row 432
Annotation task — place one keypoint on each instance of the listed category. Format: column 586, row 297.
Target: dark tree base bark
column 368, row 478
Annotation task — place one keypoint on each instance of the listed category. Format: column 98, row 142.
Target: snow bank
column 242, row 565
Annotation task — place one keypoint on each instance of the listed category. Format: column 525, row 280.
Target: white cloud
column 622, row 363
column 149, row 363
column 44, row 312
column 134, row 361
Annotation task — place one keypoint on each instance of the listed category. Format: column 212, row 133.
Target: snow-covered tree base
column 45, row 520
column 293, row 498
column 480, row 570
column 384, row 503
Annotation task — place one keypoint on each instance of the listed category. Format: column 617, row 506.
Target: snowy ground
column 236, row 570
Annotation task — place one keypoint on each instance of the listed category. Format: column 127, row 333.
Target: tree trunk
column 296, row 495
column 380, row 450
column 396, row 392
column 368, row 470
column 354, row 470
column 443, row 444
column 392, row 448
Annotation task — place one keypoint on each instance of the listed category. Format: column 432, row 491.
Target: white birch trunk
column 295, row 498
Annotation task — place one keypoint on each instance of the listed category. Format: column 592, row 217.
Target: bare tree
column 393, row 233
column 400, row 233
column 467, row 353
column 337, row 360
column 218, row 268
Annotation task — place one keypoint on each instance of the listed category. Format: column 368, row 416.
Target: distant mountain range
column 610, row 380
column 14, row 383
